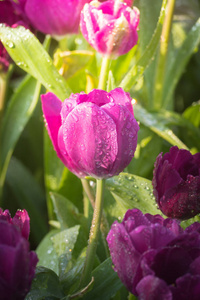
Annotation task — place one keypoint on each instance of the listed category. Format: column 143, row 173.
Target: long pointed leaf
column 29, row 54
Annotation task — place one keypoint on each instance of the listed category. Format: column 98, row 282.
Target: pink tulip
column 93, row 134
column 55, row 17
column 110, row 27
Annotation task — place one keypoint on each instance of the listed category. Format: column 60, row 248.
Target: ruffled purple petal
column 125, row 258
column 153, row 288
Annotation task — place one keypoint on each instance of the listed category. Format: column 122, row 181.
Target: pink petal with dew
column 121, row 97
column 127, row 128
column 90, row 139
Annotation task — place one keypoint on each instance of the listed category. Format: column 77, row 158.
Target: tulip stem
column 94, row 234
column 162, row 57
column 104, row 73
column 104, row 223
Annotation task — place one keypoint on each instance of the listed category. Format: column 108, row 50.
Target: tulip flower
column 110, row 27
column 176, row 182
column 155, row 258
column 55, row 17
column 17, row 262
column 93, row 134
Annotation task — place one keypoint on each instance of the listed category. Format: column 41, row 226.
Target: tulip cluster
column 93, row 134
column 155, row 258
column 16, row 260
column 176, row 182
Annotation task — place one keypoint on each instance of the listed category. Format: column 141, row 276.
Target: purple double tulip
column 54, row 17
column 93, row 134
column 17, row 262
column 176, row 182
column 155, row 258
column 110, row 27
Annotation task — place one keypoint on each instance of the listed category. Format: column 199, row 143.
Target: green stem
column 104, row 73
column 104, row 223
column 94, row 234
column 3, row 88
column 162, row 58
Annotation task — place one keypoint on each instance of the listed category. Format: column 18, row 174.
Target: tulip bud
column 17, row 262
column 93, row 134
column 176, row 182
column 110, row 27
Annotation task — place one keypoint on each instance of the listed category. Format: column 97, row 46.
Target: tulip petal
column 187, row 287
column 51, row 107
column 90, row 139
column 124, row 256
column 127, row 128
column 183, row 200
column 22, row 221
column 56, row 17
column 122, row 98
column 153, row 288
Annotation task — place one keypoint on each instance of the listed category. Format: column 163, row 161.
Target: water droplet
column 10, row 44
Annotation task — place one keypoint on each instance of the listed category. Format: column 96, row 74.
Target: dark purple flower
column 176, row 183
column 93, row 134
column 17, row 262
column 155, row 258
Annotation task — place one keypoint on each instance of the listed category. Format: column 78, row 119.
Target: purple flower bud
column 93, row 134
column 110, row 27
column 155, row 258
column 21, row 220
column 17, row 262
column 55, row 17
column 176, row 182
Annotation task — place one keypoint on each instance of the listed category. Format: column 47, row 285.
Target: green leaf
column 46, row 253
column 143, row 62
column 106, row 282
column 29, row 196
column 64, row 243
column 19, row 111
column 158, row 126
column 66, row 212
column 29, row 55
column 131, row 191
column 65, row 240
column 192, row 114
column 45, row 285
column 181, row 58
column 70, row 62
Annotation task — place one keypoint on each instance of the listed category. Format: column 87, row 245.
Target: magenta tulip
column 17, row 262
column 55, row 17
column 155, row 258
column 93, row 134
column 176, row 182
column 110, row 27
